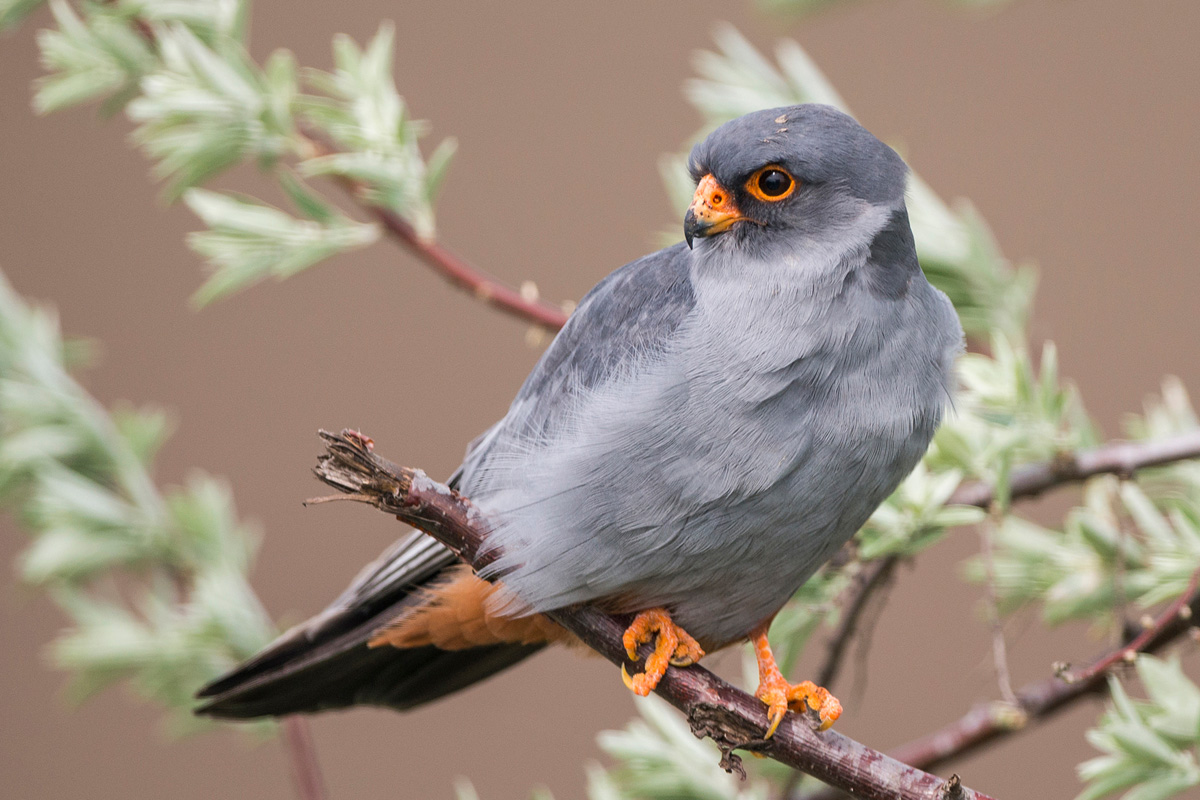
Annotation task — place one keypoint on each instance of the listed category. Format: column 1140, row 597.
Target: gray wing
column 630, row 313
column 325, row 662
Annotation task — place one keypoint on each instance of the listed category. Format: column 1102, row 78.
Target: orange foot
column 674, row 646
column 779, row 695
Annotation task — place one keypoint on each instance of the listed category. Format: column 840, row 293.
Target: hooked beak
column 711, row 212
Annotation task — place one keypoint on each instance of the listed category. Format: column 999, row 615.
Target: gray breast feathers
column 705, row 427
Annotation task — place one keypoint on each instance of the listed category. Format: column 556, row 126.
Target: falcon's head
column 792, row 175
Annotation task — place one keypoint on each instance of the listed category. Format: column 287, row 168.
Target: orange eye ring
column 771, row 184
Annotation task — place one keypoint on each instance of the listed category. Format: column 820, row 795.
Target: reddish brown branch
column 454, row 269
column 486, row 288
column 732, row 718
column 987, row 534
column 1149, row 637
column 490, row 290
column 302, row 756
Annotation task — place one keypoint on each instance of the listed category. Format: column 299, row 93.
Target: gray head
column 784, row 176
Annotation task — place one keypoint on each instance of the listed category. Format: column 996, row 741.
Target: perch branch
column 732, row 718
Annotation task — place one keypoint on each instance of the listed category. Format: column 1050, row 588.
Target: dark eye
column 771, row 183
column 774, row 183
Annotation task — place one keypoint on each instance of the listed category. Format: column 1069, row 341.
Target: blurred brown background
column 1071, row 125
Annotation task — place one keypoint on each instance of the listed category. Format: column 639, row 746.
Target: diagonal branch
column 1115, row 458
column 453, row 268
column 1038, row 701
column 732, row 718
column 873, row 577
column 490, row 290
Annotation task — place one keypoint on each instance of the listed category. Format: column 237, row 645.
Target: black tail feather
column 380, row 676
column 325, row 663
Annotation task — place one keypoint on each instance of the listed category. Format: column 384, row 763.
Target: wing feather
column 325, row 662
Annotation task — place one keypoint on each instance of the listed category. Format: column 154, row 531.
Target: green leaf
column 208, row 108
column 88, row 59
column 1149, row 520
column 307, row 202
column 25, row 450
column 248, row 241
column 1150, row 745
column 799, row 7
column 71, row 555
column 209, row 20
column 144, row 429
column 438, row 165
column 1108, row 775
column 67, row 496
column 1161, row 787
column 363, row 115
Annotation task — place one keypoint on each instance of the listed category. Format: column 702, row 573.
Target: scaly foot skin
column 779, row 695
column 673, row 646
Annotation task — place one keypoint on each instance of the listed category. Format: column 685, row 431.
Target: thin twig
column 1179, row 611
column 873, row 576
column 862, row 647
column 1120, row 597
column 453, row 268
column 1037, row 702
column 483, row 286
column 490, row 290
column 987, row 531
column 1030, row 480
column 302, row 756
column 732, row 718
column 1120, row 458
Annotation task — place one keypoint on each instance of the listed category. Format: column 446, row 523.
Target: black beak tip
column 689, row 227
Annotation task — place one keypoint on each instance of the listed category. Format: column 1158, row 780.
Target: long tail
column 325, row 663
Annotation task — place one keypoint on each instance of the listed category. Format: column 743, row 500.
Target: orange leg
column 673, row 646
column 779, row 695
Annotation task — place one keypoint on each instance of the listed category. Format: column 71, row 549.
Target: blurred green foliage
column 153, row 583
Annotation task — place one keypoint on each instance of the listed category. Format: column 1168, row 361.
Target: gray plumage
column 712, row 423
